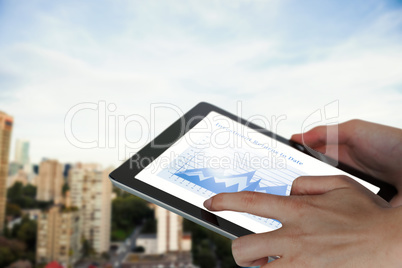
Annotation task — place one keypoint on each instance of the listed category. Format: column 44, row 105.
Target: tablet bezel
column 124, row 176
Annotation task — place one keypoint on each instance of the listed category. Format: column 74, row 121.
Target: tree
column 206, row 258
column 23, row 196
column 6, row 256
column 87, row 249
column 149, row 226
column 105, row 255
column 207, row 245
column 127, row 212
column 15, row 191
column 65, row 188
column 228, row 262
column 27, row 233
column 29, row 190
column 13, row 210
column 10, row 251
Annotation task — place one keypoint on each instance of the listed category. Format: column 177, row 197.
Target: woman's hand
column 372, row 148
column 326, row 222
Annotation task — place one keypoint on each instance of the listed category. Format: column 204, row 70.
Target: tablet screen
column 222, row 155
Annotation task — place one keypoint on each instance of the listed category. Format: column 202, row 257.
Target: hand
column 326, row 222
column 372, row 148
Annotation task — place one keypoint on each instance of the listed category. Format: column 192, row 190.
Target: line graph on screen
column 193, row 170
column 218, row 183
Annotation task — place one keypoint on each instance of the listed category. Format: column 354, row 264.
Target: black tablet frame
column 125, row 174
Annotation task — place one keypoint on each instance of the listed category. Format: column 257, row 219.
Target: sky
column 137, row 65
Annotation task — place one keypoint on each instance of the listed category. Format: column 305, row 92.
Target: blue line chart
column 218, row 183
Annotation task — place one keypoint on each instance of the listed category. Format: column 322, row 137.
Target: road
column 116, row 257
column 128, row 244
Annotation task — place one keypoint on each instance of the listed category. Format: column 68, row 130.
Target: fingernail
column 207, row 203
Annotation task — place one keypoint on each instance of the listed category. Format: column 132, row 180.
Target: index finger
column 260, row 204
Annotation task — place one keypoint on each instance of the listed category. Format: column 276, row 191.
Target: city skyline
column 84, row 85
column 82, row 212
column 276, row 57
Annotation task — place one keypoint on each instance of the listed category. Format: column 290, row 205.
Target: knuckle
column 298, row 205
column 248, row 199
column 354, row 122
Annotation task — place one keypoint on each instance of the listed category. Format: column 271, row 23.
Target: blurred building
column 21, row 176
column 66, row 170
column 169, row 231
column 186, row 242
column 58, row 235
column 22, row 156
column 169, row 236
column 148, row 242
column 22, row 152
column 49, row 182
column 35, row 169
column 13, row 168
column 90, row 191
column 32, row 214
column 6, row 125
column 169, row 247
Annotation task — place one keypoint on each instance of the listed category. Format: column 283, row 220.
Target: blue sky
column 275, row 57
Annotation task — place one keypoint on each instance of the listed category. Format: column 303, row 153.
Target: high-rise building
column 90, row 191
column 49, row 181
column 22, row 156
column 169, row 236
column 6, row 125
column 22, row 152
column 59, row 235
column 170, row 247
column 13, row 168
column 169, row 230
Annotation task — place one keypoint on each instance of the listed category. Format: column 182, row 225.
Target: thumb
column 313, row 138
column 315, row 185
column 326, row 135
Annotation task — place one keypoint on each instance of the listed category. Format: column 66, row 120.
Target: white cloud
column 155, row 57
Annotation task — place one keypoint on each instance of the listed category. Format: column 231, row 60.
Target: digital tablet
column 209, row 151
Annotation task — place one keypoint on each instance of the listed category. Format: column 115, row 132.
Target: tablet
column 209, row 151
